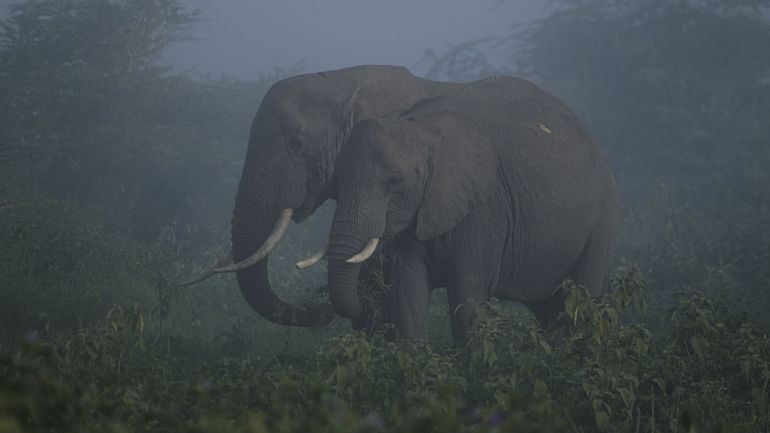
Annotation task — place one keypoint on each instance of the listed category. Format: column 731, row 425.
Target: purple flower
column 496, row 419
column 475, row 415
column 32, row 338
column 374, row 419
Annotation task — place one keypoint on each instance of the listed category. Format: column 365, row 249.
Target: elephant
column 299, row 128
column 503, row 202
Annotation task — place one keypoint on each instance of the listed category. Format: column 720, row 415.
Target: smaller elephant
column 505, row 202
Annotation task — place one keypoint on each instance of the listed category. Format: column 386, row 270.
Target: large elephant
column 300, row 126
column 504, row 201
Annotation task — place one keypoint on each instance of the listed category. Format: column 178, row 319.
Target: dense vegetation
column 117, row 177
column 709, row 373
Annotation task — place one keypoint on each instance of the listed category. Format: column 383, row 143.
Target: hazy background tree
column 115, row 166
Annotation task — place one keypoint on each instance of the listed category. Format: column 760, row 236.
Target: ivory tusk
column 208, row 273
column 278, row 230
column 315, row 258
column 366, row 252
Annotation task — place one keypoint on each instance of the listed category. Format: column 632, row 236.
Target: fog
column 122, row 148
column 240, row 38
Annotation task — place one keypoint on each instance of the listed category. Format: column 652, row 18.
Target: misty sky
column 241, row 38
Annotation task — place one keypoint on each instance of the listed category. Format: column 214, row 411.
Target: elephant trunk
column 253, row 221
column 343, row 280
column 351, row 237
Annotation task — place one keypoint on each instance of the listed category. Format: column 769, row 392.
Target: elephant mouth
column 303, row 211
column 317, row 194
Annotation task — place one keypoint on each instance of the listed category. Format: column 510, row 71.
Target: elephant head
column 422, row 174
column 301, row 124
column 283, row 178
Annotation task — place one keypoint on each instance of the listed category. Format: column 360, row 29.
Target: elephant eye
column 394, row 182
column 296, row 143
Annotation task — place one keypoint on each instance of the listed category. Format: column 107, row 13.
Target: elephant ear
column 463, row 174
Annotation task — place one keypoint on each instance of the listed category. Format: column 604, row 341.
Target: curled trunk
column 255, row 286
column 252, row 224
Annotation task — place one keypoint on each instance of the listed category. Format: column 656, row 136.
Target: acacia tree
column 91, row 116
column 671, row 87
column 67, row 65
column 109, row 161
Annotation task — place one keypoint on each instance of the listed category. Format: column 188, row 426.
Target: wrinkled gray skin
column 504, row 201
column 300, row 126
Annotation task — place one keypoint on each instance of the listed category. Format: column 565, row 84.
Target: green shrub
column 707, row 373
column 60, row 266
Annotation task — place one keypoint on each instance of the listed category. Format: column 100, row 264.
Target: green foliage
column 116, row 175
column 598, row 376
column 91, row 117
column 69, row 64
column 62, row 265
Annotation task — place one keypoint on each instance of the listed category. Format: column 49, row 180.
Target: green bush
column 63, row 266
column 708, row 373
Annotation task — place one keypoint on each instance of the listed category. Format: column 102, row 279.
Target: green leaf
column 699, row 345
column 602, row 418
column 628, row 397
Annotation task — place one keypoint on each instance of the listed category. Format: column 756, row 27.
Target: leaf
column 632, row 378
column 661, row 384
column 489, row 353
column 641, row 347
column 257, row 423
column 746, row 369
column 602, row 418
column 628, row 397
column 698, row 344
column 544, row 345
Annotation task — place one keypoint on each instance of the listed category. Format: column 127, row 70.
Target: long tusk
column 366, row 252
column 278, row 230
column 208, row 273
column 315, row 258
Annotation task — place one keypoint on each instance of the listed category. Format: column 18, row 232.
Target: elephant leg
column 410, row 290
column 467, row 290
column 473, row 271
column 547, row 311
column 462, row 312
column 591, row 270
